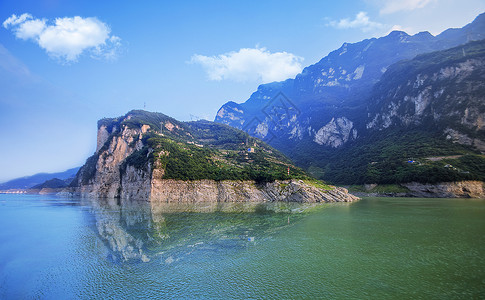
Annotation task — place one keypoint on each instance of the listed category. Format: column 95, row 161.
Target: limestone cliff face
column 461, row 189
column 101, row 176
column 177, row 191
column 109, row 174
column 441, row 91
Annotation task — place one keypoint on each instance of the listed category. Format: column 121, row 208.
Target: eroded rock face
column 135, row 183
column 450, row 98
column 178, row 191
column 462, row 138
column 335, row 133
column 106, row 181
column 461, row 189
column 103, row 136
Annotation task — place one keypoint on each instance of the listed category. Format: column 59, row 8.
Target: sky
column 66, row 64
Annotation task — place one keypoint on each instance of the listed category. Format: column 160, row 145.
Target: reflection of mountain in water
column 142, row 231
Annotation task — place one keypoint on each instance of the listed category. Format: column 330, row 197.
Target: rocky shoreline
column 459, row 189
column 227, row 191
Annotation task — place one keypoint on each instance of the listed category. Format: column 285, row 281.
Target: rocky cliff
column 456, row 189
column 444, row 90
column 177, row 191
column 149, row 156
column 460, row 189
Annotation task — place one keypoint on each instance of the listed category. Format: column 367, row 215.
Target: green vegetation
column 319, row 184
column 383, row 158
column 206, row 150
column 381, row 189
column 54, row 183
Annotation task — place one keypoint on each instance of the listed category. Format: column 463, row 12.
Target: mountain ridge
column 326, row 107
column 39, row 178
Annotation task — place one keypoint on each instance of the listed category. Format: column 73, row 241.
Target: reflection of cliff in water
column 142, row 231
column 121, row 226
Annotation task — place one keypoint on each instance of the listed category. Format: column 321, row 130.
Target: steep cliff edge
column 152, row 157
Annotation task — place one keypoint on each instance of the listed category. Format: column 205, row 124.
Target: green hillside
column 199, row 150
column 397, row 156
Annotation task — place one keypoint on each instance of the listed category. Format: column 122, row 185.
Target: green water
column 384, row 248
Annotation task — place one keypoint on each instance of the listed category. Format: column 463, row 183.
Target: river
column 384, row 248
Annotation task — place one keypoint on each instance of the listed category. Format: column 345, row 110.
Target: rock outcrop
column 113, row 172
column 101, row 175
column 177, row 191
column 460, row 189
column 441, row 89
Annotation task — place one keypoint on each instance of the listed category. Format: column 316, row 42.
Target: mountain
column 54, row 183
column 150, row 156
column 30, row 181
column 444, row 89
column 51, row 186
column 326, row 113
column 423, row 115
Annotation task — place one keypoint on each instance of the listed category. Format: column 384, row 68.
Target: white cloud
column 361, row 21
column 66, row 38
column 408, row 30
column 14, row 20
column 250, row 64
column 392, row 6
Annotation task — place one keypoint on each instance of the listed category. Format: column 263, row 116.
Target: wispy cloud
column 67, row 38
column 249, row 64
column 392, row 6
column 361, row 21
column 408, row 30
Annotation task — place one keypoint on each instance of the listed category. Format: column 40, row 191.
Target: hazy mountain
column 29, row 181
column 54, row 183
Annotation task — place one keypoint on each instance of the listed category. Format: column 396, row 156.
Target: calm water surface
column 59, row 248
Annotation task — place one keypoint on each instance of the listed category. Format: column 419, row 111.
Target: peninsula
column 150, row 156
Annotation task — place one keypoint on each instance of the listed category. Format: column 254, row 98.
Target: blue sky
column 66, row 64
